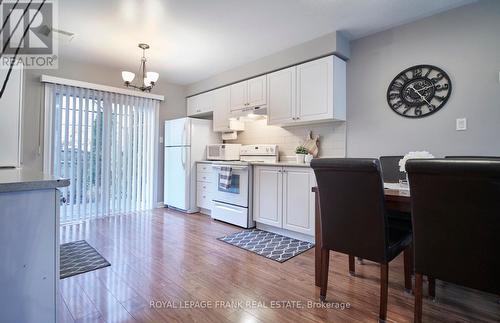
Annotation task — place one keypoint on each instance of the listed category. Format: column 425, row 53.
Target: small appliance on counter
column 233, row 203
column 223, row 152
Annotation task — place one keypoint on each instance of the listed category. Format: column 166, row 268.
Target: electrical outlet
column 161, row 139
column 461, row 124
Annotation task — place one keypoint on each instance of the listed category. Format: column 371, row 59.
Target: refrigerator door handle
column 183, row 161
column 184, row 132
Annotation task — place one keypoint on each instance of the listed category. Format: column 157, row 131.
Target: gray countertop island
column 29, row 245
column 14, row 179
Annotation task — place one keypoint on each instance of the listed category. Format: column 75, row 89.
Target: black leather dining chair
column 456, row 223
column 390, row 169
column 473, row 157
column 354, row 219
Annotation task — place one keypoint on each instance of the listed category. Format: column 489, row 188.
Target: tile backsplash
column 332, row 137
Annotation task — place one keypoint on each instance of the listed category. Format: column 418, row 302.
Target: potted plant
column 300, row 153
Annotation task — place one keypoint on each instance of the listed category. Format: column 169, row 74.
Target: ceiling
column 194, row 39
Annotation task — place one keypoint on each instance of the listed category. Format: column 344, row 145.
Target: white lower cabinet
column 298, row 200
column 267, row 197
column 283, row 198
column 204, row 180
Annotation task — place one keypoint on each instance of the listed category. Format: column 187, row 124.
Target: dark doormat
column 268, row 244
column 79, row 257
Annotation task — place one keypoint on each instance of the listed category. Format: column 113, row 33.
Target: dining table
column 396, row 198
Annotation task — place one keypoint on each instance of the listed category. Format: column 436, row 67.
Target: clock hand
column 421, row 96
column 425, row 88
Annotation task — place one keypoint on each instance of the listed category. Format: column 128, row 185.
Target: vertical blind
column 104, row 143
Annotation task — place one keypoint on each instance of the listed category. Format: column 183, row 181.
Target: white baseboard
column 159, row 205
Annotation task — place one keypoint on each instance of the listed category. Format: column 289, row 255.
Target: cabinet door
column 267, row 197
column 206, row 102
column 315, row 90
column 281, row 96
column 257, row 92
column 221, row 109
column 298, row 200
column 238, row 96
column 193, row 105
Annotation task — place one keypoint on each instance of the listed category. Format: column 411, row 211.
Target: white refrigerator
column 186, row 140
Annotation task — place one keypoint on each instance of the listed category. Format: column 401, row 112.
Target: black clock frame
column 422, row 66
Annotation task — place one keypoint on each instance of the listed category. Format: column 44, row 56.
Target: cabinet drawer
column 204, row 177
column 204, row 173
column 204, row 186
column 204, row 195
column 204, row 168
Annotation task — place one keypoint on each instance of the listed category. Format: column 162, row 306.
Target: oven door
column 237, row 193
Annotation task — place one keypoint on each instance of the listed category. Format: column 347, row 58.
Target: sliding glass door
column 104, row 143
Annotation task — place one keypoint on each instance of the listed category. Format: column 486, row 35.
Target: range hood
column 251, row 113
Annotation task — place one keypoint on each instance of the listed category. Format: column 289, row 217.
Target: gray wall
column 174, row 106
column 465, row 42
column 330, row 43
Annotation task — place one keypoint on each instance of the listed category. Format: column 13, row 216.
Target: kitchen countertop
column 277, row 164
column 14, row 179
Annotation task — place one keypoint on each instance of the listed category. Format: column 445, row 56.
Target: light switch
column 461, row 124
column 161, row 139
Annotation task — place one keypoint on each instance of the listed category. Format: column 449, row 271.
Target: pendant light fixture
column 148, row 78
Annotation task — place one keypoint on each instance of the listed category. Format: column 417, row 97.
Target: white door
column 10, row 113
column 221, row 109
column 238, row 96
column 298, row 200
column 267, row 197
column 177, row 132
column 257, row 91
column 176, row 177
column 281, row 96
column 315, row 90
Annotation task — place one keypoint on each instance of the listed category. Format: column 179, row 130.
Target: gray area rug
column 79, row 257
column 267, row 244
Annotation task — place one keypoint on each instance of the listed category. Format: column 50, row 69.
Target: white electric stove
column 234, row 204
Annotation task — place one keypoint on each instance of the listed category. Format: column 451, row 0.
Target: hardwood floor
column 167, row 258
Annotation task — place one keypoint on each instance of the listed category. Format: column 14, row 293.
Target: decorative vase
column 300, row 158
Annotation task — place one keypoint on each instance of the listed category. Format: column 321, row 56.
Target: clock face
column 419, row 91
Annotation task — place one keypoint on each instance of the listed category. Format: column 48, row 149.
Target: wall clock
column 419, row 91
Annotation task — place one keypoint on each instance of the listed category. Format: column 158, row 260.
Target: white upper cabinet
column 238, row 95
column 257, row 91
column 321, row 90
column 308, row 93
column 222, row 112
column 221, row 109
column 200, row 104
column 281, row 96
column 248, row 94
